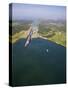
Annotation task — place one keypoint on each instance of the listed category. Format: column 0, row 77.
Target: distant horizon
column 36, row 12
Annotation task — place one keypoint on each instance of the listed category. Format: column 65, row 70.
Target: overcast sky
column 27, row 12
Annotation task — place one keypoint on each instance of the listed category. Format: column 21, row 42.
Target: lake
column 42, row 62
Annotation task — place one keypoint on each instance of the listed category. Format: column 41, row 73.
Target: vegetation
column 55, row 32
column 18, row 28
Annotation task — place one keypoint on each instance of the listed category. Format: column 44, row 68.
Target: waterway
column 42, row 62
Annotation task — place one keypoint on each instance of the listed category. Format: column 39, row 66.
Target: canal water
column 42, row 62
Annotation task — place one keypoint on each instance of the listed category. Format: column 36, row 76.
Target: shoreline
column 15, row 40
column 23, row 34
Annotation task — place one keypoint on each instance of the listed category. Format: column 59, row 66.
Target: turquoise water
column 42, row 62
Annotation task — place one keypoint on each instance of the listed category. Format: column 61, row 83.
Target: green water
column 42, row 62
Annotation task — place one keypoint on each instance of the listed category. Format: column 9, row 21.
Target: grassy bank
column 56, row 33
